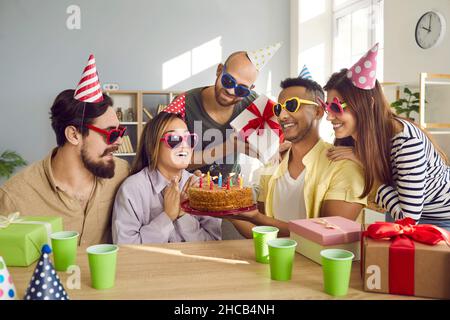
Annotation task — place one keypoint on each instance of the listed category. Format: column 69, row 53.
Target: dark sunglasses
column 336, row 106
column 111, row 135
column 229, row 82
column 172, row 139
column 292, row 105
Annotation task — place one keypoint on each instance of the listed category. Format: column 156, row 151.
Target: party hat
column 262, row 56
column 89, row 89
column 45, row 283
column 305, row 74
column 177, row 106
column 364, row 73
column 7, row 289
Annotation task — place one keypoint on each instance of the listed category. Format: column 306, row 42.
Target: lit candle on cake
column 201, row 183
column 241, row 181
column 208, row 178
column 231, row 181
column 220, row 180
column 228, row 183
column 211, row 186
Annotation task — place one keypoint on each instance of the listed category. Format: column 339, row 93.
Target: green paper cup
column 64, row 246
column 102, row 264
column 336, row 266
column 281, row 252
column 261, row 235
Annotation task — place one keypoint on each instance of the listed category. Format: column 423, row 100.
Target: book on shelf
column 161, row 107
column 150, row 117
column 126, row 146
column 130, row 146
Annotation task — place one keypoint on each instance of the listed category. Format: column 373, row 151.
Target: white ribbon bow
column 11, row 218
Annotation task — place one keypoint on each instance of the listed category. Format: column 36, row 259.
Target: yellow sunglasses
column 291, row 105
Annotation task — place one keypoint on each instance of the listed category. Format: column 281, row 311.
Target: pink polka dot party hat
column 364, row 73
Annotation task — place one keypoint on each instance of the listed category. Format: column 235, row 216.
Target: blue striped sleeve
column 407, row 199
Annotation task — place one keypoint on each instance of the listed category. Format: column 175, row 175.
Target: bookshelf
column 137, row 107
column 434, row 114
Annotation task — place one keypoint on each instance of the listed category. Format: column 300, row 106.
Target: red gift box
column 406, row 259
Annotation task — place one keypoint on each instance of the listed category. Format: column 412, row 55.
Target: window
column 358, row 25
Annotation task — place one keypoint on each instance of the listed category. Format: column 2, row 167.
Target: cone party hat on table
column 45, row 283
column 261, row 57
column 363, row 74
column 88, row 88
column 7, row 289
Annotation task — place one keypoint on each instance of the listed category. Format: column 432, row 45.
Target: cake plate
column 187, row 208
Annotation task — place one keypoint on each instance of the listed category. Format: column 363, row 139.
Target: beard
column 98, row 168
column 218, row 95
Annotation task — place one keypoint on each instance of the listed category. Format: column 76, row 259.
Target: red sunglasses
column 111, row 135
column 335, row 106
column 172, row 139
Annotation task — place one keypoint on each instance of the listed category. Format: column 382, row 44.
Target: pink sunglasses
column 335, row 106
column 173, row 140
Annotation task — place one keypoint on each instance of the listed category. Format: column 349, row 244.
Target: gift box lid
column 327, row 231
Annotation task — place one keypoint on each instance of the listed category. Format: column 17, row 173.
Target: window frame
column 351, row 6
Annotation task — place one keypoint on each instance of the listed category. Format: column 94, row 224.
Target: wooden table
column 202, row 270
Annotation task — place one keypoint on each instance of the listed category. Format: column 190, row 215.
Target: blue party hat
column 305, row 74
column 45, row 283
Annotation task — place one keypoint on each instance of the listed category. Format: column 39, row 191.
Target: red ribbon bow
column 423, row 233
column 401, row 251
column 260, row 120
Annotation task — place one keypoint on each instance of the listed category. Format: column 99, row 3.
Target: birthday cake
column 220, row 199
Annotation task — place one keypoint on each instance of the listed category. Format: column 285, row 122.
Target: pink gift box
column 327, row 231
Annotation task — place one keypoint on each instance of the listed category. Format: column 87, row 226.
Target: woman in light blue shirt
column 147, row 205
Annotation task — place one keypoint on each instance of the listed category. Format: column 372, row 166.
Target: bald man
column 209, row 111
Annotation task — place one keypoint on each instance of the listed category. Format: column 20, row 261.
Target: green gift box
column 21, row 242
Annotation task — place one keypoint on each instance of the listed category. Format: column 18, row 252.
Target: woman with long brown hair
column 404, row 169
column 147, row 205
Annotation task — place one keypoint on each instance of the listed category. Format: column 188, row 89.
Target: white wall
column 311, row 44
column 312, row 37
column 132, row 41
column 404, row 59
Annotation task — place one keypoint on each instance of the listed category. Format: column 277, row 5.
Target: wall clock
column 430, row 30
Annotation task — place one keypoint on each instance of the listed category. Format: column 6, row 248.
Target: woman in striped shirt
column 405, row 171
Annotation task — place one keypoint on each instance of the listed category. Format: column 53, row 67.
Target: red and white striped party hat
column 89, row 89
column 364, row 73
column 177, row 106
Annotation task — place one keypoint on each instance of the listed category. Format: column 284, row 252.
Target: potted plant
column 9, row 161
column 407, row 104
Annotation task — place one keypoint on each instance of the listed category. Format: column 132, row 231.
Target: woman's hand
column 172, row 197
column 193, row 181
column 343, row 153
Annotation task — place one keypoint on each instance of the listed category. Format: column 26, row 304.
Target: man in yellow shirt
column 78, row 180
column 305, row 184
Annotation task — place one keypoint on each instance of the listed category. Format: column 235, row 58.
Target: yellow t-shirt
column 324, row 180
